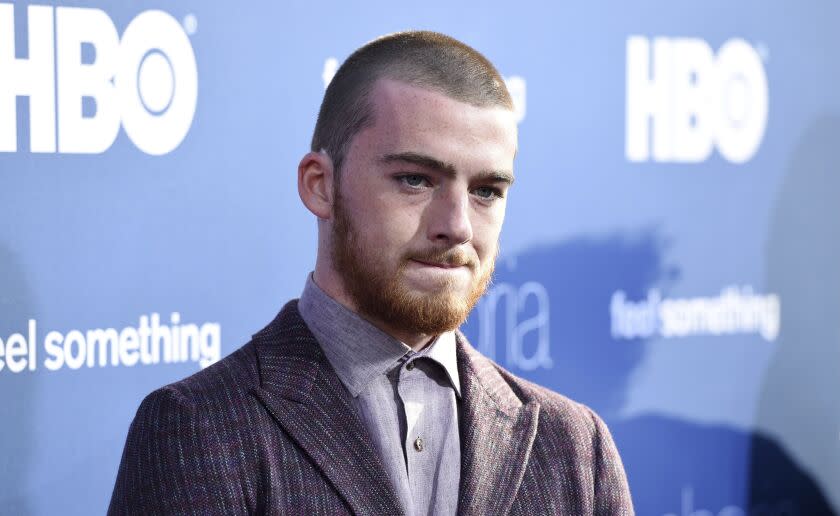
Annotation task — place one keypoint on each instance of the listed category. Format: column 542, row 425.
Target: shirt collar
column 442, row 351
column 358, row 350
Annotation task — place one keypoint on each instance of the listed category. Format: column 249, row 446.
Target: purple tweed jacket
column 270, row 429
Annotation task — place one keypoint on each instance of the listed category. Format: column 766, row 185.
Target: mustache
column 451, row 257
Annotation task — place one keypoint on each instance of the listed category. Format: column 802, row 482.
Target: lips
column 439, row 265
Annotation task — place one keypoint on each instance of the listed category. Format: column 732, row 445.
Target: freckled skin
column 401, row 209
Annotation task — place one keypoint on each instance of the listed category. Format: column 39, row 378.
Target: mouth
column 438, row 264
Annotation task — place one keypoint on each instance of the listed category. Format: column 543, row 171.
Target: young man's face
column 420, row 205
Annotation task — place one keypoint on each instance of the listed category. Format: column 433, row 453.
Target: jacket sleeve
column 612, row 493
column 161, row 471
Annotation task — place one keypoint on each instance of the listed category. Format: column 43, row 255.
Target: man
column 362, row 397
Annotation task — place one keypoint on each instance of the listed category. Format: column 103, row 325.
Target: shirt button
column 418, row 444
column 409, row 366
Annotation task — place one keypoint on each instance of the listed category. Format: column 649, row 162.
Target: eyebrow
column 499, row 176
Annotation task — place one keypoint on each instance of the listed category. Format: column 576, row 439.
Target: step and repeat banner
column 671, row 254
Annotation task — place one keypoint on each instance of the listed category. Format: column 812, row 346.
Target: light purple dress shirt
column 406, row 399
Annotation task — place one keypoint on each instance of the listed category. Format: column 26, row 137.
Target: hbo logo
column 147, row 80
column 686, row 101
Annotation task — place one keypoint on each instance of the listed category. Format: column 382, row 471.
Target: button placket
column 411, row 390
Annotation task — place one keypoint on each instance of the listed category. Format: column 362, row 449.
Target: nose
column 449, row 217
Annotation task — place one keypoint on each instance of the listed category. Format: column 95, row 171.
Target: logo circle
column 156, row 82
column 155, row 56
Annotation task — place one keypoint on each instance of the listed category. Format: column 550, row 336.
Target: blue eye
column 487, row 192
column 413, row 180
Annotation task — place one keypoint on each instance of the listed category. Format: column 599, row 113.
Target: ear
column 315, row 183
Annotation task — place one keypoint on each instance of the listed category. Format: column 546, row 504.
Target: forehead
column 410, row 118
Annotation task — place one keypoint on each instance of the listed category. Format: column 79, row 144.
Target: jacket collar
column 302, row 392
column 305, row 396
column 497, row 435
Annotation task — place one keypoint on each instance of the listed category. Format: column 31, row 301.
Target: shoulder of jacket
column 228, row 379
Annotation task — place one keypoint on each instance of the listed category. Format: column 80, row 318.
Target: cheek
column 386, row 229
column 486, row 231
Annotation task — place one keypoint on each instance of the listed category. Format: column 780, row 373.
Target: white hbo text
column 146, row 81
column 683, row 100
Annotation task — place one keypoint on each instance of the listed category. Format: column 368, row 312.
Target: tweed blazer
column 270, row 429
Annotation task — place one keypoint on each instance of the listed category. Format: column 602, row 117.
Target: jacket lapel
column 302, row 392
column 497, row 434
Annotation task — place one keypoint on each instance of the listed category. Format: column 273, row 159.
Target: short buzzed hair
column 421, row 58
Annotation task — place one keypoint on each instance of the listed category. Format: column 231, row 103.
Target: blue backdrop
column 669, row 255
